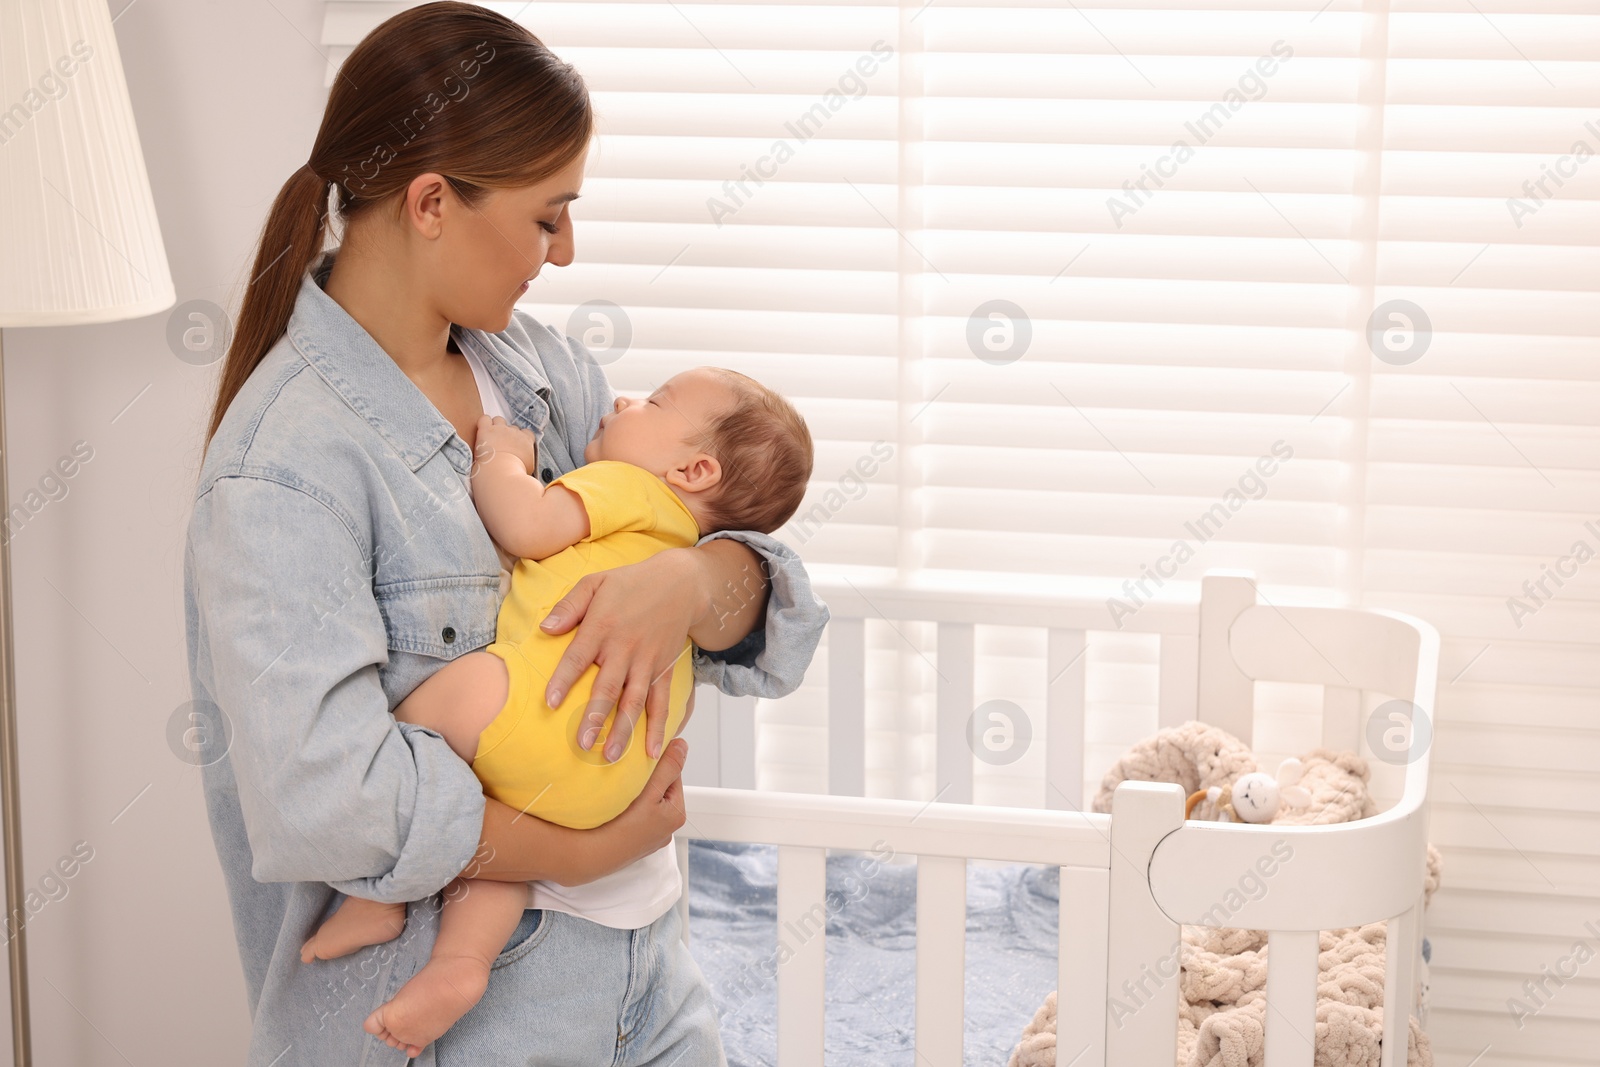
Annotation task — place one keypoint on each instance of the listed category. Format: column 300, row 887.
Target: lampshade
column 79, row 240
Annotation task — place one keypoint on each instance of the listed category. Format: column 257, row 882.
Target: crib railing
column 1128, row 880
column 723, row 727
column 942, row 837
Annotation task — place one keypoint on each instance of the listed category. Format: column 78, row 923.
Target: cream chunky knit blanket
column 1222, row 984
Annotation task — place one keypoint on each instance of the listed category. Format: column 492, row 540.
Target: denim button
column 449, row 635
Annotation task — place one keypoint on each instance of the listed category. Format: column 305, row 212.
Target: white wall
column 137, row 963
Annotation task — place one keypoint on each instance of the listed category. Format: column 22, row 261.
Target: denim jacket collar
column 369, row 380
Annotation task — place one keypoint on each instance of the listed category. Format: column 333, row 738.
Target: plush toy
column 1257, row 796
column 1221, row 1009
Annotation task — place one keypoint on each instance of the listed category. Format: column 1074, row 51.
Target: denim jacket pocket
column 440, row 617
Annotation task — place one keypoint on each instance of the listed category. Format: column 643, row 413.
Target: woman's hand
column 644, row 826
column 634, row 622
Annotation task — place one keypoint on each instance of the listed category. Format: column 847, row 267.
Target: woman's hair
column 764, row 447
column 447, row 87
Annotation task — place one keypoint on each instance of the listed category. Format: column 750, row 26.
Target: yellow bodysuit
column 528, row 757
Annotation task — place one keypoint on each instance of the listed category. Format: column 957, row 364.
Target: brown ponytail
column 446, row 87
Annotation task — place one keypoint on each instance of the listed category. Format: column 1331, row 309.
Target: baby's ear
column 699, row 473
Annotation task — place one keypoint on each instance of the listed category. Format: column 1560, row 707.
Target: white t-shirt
column 639, row 893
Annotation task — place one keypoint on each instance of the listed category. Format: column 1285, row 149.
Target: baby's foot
column 357, row 924
column 428, row 1005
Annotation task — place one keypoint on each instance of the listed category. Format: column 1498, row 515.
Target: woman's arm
column 330, row 787
column 772, row 659
column 747, row 594
column 517, row 847
column 632, row 621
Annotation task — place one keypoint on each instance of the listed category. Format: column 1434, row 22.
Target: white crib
column 1127, row 879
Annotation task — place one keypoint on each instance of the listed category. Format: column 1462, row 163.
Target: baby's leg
column 357, row 924
column 479, row 916
column 459, row 700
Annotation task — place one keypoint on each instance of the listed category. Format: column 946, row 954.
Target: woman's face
column 485, row 254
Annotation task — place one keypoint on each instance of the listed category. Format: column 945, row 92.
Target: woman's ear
column 698, row 473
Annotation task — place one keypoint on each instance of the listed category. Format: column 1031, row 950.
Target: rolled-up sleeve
column 330, row 786
column 772, row 660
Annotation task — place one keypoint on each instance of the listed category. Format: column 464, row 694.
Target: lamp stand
column 10, row 793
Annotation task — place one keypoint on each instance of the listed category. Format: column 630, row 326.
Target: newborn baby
column 711, row 449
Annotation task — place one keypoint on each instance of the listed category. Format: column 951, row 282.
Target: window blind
column 1097, row 298
column 1480, row 475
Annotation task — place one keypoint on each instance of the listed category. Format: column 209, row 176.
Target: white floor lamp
column 79, row 243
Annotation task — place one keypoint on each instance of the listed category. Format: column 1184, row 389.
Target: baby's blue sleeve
column 772, row 660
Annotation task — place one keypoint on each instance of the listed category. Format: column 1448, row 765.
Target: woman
column 335, row 560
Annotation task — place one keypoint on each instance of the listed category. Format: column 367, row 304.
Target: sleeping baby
column 711, row 449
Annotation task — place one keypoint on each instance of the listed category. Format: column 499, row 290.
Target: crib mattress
column 1012, row 916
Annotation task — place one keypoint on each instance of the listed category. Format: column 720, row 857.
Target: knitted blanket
column 1222, row 982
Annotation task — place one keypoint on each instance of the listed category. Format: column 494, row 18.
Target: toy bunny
column 1256, row 797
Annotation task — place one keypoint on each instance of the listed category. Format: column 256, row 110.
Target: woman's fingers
column 666, row 782
column 585, row 644
column 672, row 796
column 630, row 705
column 666, row 772
column 657, row 812
column 657, row 706
column 619, row 617
column 571, row 608
column 603, row 696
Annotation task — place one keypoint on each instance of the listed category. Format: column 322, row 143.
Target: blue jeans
column 586, row 995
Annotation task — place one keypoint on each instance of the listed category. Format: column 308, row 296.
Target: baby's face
column 665, row 429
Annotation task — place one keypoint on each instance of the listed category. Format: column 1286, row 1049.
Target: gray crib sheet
column 1012, row 915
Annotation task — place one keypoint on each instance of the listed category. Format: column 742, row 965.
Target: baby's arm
column 524, row 516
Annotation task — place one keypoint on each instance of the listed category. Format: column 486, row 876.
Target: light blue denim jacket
column 334, row 560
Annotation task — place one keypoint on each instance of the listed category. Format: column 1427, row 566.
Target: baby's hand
column 496, row 435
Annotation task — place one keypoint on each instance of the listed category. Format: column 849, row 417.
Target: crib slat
column 737, row 742
column 1291, row 1018
column 1341, row 718
column 941, row 960
column 953, row 758
column 1227, row 694
column 1178, row 701
column 1063, row 711
column 847, row 707
column 802, row 921
column 680, row 848
column 704, row 734
column 1402, row 947
column 1081, row 967
column 1145, row 949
